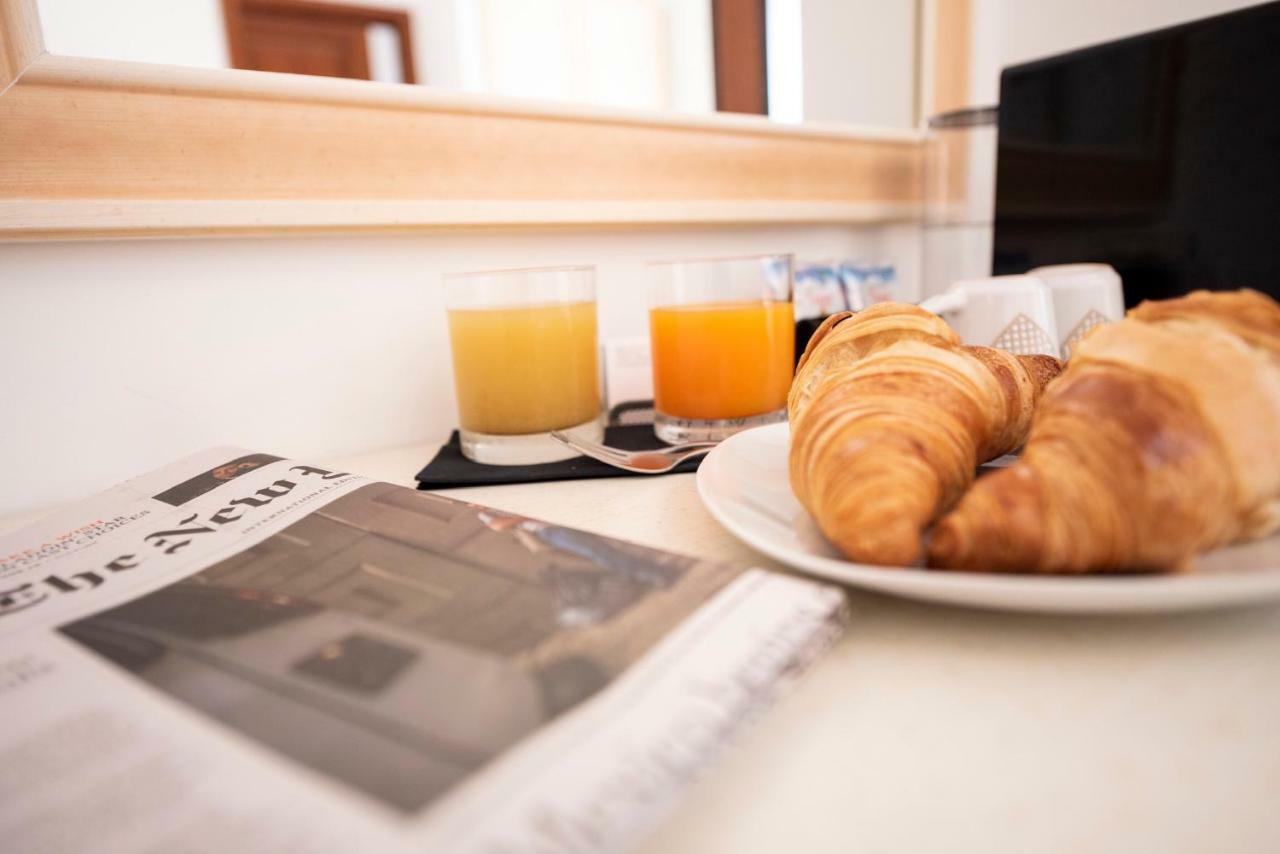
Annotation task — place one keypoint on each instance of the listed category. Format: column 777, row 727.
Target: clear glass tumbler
column 524, row 361
column 959, row 197
column 723, row 337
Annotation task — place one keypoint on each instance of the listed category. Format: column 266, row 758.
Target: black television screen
column 1158, row 154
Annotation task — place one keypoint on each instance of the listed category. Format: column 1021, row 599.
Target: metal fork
column 657, row 461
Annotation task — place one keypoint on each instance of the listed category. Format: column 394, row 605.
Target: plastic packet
column 819, row 291
column 867, row 283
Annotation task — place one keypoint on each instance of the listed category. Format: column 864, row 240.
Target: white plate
column 743, row 482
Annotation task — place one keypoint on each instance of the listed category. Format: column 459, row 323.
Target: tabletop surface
column 932, row 728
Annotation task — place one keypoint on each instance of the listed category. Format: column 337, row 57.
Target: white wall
column 691, row 78
column 170, row 32
column 120, row 356
column 849, row 61
column 859, row 61
column 640, row 54
column 1008, row 32
column 644, row 54
column 576, row 50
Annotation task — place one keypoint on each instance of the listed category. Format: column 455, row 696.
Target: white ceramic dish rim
column 716, row 482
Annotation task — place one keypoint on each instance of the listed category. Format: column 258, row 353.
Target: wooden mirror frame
column 98, row 148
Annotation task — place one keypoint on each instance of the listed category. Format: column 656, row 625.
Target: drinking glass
column 524, row 361
column 959, row 197
column 723, row 337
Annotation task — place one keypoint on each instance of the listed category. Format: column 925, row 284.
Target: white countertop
column 941, row 729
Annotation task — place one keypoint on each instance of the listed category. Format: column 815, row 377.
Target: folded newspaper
column 244, row 653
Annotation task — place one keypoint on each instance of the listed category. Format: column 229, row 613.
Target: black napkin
column 449, row 468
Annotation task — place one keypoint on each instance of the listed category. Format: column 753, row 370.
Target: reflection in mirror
column 644, row 54
column 827, row 60
column 326, row 39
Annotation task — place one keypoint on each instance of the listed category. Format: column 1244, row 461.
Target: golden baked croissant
column 890, row 417
column 1161, row 439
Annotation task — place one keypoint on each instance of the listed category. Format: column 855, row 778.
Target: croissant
column 1160, row 440
column 890, row 417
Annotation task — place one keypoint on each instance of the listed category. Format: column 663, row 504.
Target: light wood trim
column 102, row 129
column 950, row 50
column 54, row 220
column 104, row 148
column 952, row 46
column 21, row 41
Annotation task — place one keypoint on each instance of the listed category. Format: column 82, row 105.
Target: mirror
column 794, row 60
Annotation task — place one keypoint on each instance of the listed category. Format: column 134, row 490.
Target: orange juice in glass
column 722, row 333
column 524, row 361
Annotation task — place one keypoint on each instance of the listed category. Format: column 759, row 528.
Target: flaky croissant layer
column 1160, row 440
column 890, row 416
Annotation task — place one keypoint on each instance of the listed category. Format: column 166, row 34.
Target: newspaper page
column 245, row 653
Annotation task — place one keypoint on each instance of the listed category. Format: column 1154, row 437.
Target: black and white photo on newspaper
column 243, row 652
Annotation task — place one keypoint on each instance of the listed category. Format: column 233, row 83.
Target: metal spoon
column 657, row 461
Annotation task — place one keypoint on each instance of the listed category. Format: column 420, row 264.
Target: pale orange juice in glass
column 722, row 334
column 552, row 383
column 524, row 360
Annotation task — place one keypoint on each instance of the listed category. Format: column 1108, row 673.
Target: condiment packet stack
column 822, row 289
